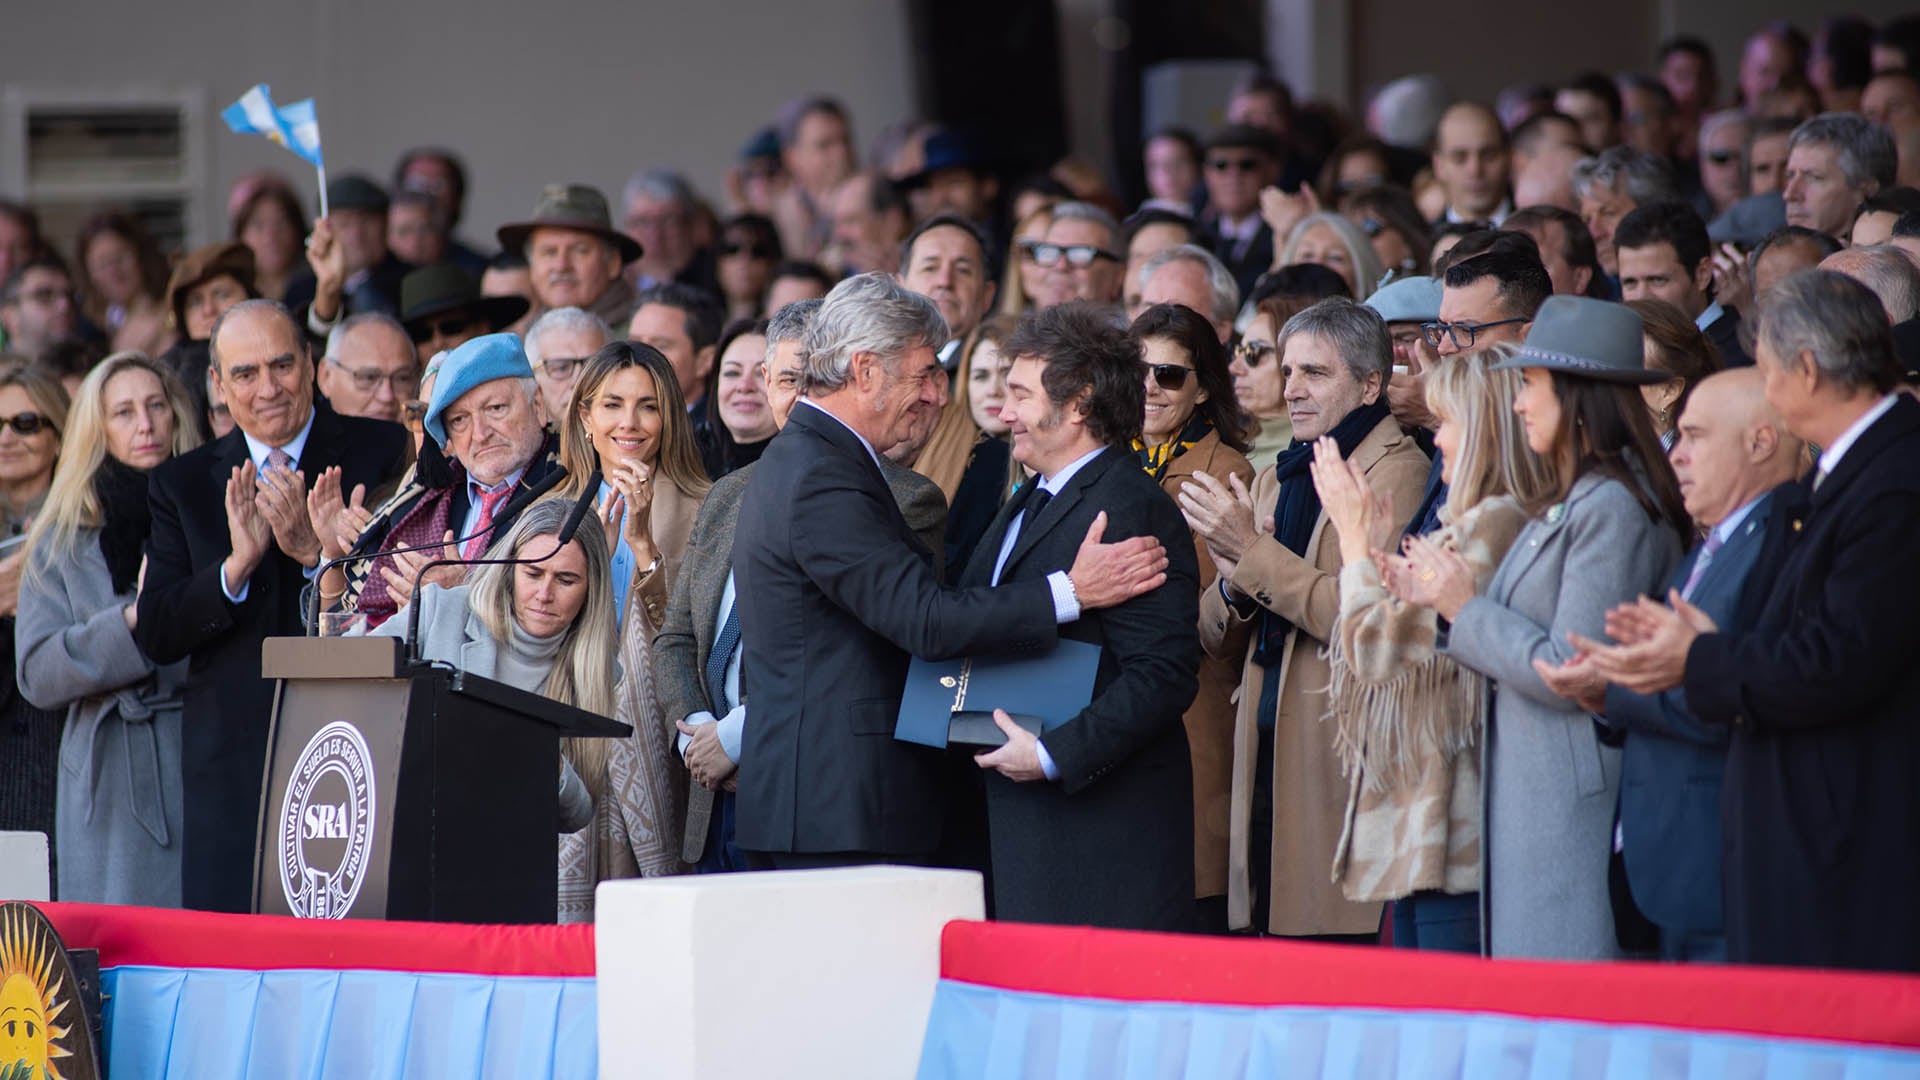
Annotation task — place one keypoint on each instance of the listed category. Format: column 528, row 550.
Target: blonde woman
column 33, row 415
column 117, row 805
column 1407, row 720
column 544, row 627
column 1023, row 274
column 1332, row 241
column 627, row 420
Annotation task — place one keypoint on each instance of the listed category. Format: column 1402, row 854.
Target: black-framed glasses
column 1463, row 333
column 26, row 424
column 1078, row 256
column 1253, row 353
column 1235, row 164
column 1169, row 376
column 1723, row 157
column 560, row 367
column 451, row 326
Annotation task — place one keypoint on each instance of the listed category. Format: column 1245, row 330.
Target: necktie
column 725, row 644
column 489, row 502
column 1700, row 563
column 278, row 459
column 1035, row 503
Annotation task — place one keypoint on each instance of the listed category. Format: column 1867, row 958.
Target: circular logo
column 44, row 1031
column 326, row 823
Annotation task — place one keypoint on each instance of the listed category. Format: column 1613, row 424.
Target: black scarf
column 122, row 491
column 1299, row 507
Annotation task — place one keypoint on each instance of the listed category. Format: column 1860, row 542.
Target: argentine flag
column 295, row 126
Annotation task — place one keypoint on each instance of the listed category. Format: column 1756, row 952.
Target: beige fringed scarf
column 1407, row 723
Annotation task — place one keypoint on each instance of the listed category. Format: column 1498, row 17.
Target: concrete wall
column 529, row 93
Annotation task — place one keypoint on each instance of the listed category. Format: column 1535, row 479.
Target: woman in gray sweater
column 117, row 815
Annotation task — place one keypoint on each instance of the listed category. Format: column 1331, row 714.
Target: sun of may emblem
column 35, row 1000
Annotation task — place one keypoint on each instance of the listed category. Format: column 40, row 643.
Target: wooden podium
column 399, row 790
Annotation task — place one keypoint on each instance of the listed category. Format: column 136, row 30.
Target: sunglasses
column 754, row 251
column 27, row 423
column 1723, row 157
column 1078, row 256
column 416, row 411
column 1169, row 376
column 1252, row 353
column 1236, row 164
column 449, row 327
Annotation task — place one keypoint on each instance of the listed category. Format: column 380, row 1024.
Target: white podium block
column 24, row 867
column 795, row 974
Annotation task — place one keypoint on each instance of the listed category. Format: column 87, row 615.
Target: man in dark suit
column 1732, row 452
column 1240, row 160
column 836, row 591
column 702, row 693
column 1664, row 254
column 349, row 266
column 1821, row 812
column 1092, row 822
column 226, row 561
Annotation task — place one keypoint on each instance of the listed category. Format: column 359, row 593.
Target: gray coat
column 451, row 631
column 1550, row 784
column 117, row 814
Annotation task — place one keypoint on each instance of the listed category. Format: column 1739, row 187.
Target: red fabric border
column 167, row 938
column 1848, row 1007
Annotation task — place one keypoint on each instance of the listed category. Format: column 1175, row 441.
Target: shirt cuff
column 693, row 720
column 245, row 586
column 1066, row 606
column 319, row 327
column 1046, row 761
column 732, row 727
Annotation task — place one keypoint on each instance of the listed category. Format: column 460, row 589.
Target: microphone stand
column 359, row 553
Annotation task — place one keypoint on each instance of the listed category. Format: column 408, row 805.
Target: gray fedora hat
column 1595, row 339
column 569, row 206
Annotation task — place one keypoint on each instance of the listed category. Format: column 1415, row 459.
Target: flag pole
column 322, row 170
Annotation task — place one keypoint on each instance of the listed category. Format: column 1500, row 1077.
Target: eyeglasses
column 448, row 327
column 560, row 367
column 25, row 424
column 368, row 380
column 1462, row 333
column 752, row 251
column 1723, row 157
column 1169, row 376
column 1078, row 256
column 1235, row 164
column 1253, row 353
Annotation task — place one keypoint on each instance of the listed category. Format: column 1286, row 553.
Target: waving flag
column 294, row 126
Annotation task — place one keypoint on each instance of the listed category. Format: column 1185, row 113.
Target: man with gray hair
column 1190, row 275
column 1834, row 162
column 659, row 208
column 370, row 368
column 1274, row 615
column 1887, row 271
column 1612, row 184
column 559, row 344
column 1819, row 689
column 835, row 593
column 1080, row 256
column 709, row 710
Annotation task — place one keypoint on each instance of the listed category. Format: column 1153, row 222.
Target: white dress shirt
column 1830, row 457
column 259, row 452
column 734, row 724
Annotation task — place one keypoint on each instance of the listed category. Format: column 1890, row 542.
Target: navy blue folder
column 952, row 701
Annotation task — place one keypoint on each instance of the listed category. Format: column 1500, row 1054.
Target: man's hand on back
column 1104, row 575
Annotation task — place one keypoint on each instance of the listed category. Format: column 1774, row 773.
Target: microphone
column 378, row 529
column 565, row 536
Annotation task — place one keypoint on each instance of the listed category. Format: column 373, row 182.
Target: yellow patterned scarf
column 1155, row 459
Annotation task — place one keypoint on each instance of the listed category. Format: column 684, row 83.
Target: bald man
column 1470, row 160
column 1733, row 451
column 1547, row 178
column 1892, row 275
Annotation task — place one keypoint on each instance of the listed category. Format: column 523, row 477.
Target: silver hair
column 1081, row 211
column 1367, row 270
column 1355, row 331
column 1885, row 269
column 1406, row 112
column 870, row 313
column 566, row 320
column 661, row 185
column 1223, row 293
column 1713, row 122
column 1648, row 179
column 1864, row 149
column 791, row 323
column 244, row 307
column 337, row 337
column 1836, row 319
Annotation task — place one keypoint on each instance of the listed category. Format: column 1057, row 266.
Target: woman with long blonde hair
column 117, row 807
column 1407, row 719
column 628, row 421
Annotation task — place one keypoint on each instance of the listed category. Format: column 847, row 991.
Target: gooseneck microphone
column 377, row 529
column 572, row 525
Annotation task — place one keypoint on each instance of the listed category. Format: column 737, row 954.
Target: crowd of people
column 1489, row 517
